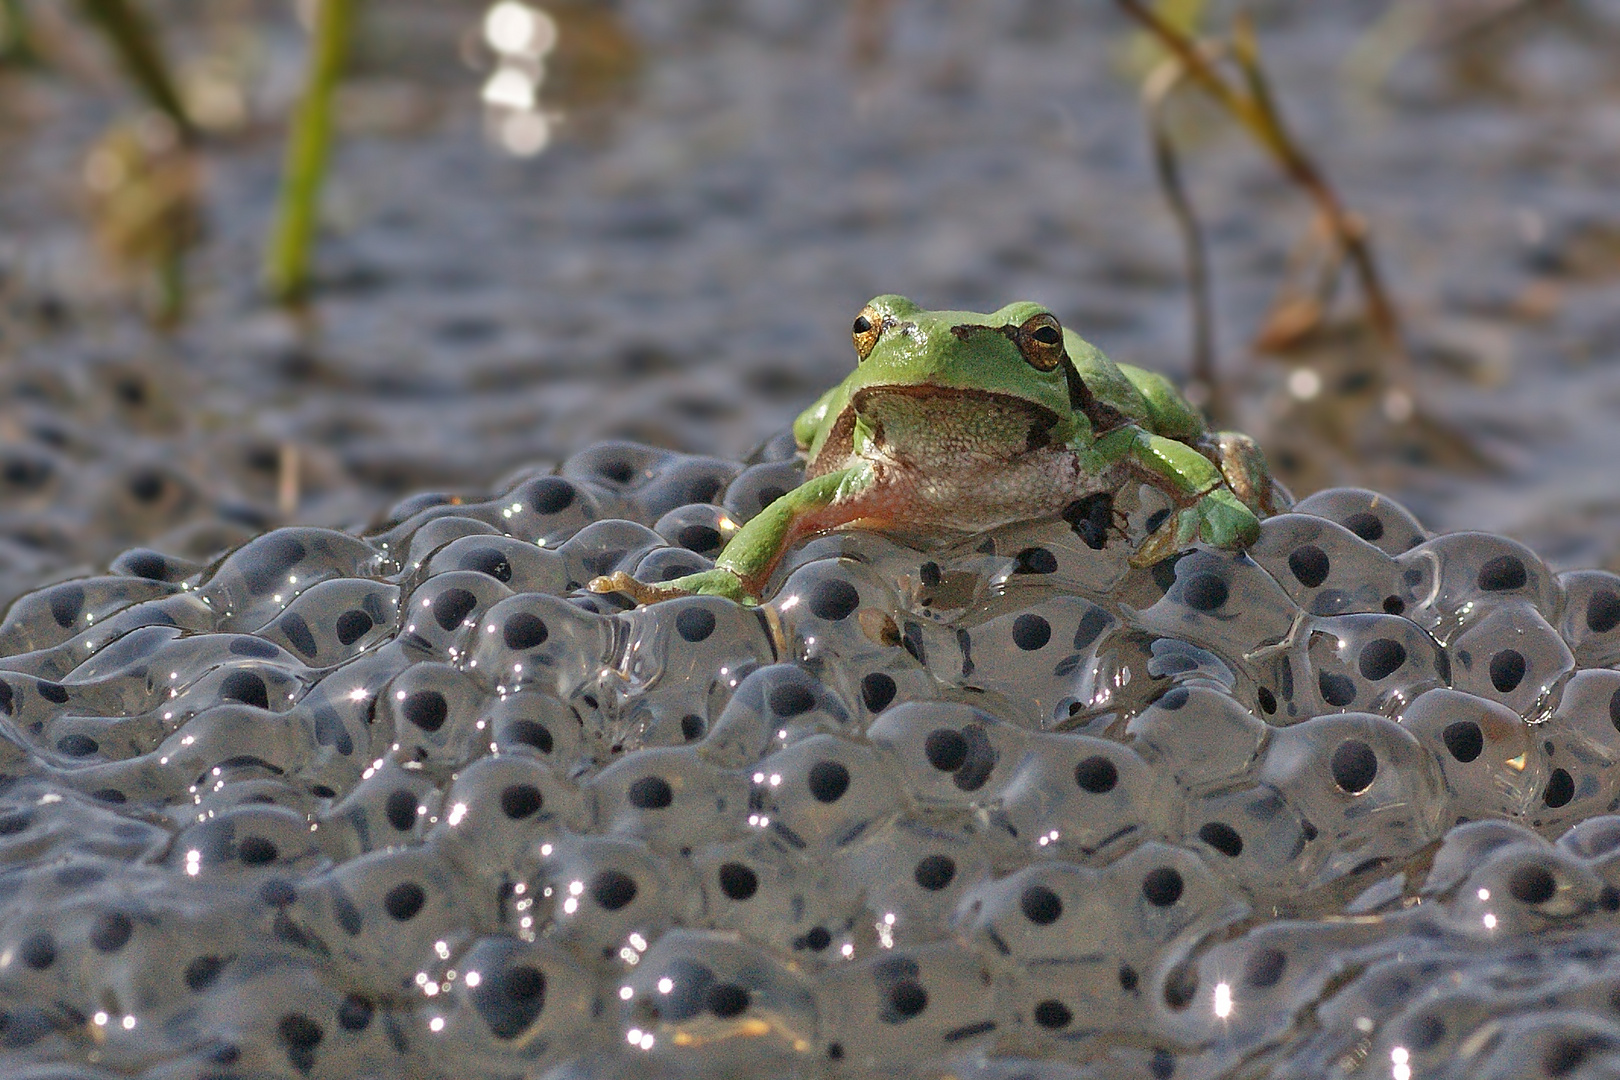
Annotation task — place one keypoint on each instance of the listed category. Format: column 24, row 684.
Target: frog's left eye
column 867, row 329
column 1040, row 340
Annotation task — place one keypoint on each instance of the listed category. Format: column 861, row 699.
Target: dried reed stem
column 1204, row 388
column 1252, row 104
column 142, row 56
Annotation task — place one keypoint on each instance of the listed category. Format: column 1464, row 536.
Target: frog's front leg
column 745, row 566
column 1205, row 509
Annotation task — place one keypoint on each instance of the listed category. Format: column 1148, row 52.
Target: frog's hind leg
column 1243, row 467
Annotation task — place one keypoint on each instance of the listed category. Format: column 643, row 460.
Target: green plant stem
column 309, row 145
column 141, row 54
column 169, row 308
column 16, row 44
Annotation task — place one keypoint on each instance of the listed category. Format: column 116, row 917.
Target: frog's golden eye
column 1040, row 339
column 867, row 329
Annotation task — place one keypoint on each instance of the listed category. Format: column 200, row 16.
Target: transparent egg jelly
column 414, row 804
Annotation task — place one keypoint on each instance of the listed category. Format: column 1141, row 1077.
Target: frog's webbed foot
column 1243, row 467
column 715, row 582
column 1217, row 517
column 1093, row 517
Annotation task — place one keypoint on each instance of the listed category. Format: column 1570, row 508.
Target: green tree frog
column 953, row 421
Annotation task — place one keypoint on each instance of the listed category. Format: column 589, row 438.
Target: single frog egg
column 923, row 1001
column 772, row 707
column 502, row 997
column 670, row 797
column 761, row 887
column 708, row 1001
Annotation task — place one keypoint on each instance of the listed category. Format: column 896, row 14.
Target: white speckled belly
column 968, row 463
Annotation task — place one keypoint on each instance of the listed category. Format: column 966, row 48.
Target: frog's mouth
column 921, row 421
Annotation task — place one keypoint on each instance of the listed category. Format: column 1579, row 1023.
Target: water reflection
column 521, row 36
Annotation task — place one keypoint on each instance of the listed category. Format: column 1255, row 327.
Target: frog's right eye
column 1040, row 339
column 867, row 329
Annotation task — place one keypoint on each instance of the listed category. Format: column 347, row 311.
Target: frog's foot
column 1243, row 467
column 714, row 582
column 1218, row 518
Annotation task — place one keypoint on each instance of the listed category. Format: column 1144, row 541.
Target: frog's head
column 1014, row 359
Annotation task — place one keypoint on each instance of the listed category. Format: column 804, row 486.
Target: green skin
column 957, row 421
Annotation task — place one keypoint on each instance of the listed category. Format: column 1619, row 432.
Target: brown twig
column 1479, row 23
column 869, row 31
column 287, row 479
column 1204, row 388
column 139, row 50
column 1252, row 104
column 1347, row 228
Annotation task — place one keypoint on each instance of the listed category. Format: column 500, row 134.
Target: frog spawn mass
column 413, row 803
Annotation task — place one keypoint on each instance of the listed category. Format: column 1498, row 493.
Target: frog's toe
column 1224, row 522
column 1178, row 531
column 639, row 591
column 1243, row 466
column 715, row 582
column 1155, row 549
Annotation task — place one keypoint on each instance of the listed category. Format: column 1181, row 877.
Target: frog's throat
column 929, row 419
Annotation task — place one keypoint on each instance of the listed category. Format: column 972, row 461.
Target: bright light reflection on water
column 520, row 35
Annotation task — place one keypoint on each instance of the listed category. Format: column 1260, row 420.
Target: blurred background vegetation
column 265, row 261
